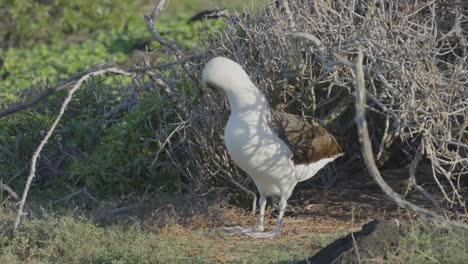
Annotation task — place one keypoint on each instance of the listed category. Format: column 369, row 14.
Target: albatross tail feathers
column 307, row 171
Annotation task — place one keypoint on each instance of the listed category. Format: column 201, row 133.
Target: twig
column 242, row 187
column 346, row 62
column 4, row 187
column 412, row 171
column 183, row 60
column 426, row 194
column 338, row 110
column 179, row 127
column 287, row 11
column 355, row 245
column 384, row 137
column 119, row 210
column 23, row 169
column 413, row 185
column 49, row 91
column 82, row 191
column 36, row 154
column 173, row 96
column 323, row 54
column 368, row 156
column 157, row 9
column 149, row 22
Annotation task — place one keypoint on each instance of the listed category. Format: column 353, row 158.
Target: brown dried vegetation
column 415, row 68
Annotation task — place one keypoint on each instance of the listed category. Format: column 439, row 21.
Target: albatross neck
column 248, row 101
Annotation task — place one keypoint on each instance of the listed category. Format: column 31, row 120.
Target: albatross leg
column 262, row 205
column 279, row 223
column 260, row 227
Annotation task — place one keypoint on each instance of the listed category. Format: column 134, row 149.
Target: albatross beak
column 211, row 86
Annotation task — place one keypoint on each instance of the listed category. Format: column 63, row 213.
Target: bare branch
column 150, row 24
column 52, row 90
column 243, row 188
column 119, row 210
column 4, row 187
column 172, row 94
column 149, row 20
column 177, row 129
column 159, row 6
column 82, row 191
column 36, row 154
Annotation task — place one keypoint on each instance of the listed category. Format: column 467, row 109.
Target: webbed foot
column 259, row 234
column 238, row 229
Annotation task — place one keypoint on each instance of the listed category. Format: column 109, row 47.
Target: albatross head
column 228, row 76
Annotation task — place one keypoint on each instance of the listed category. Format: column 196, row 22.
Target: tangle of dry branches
column 366, row 147
column 415, row 65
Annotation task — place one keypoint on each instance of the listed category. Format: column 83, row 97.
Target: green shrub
column 121, row 162
column 76, row 135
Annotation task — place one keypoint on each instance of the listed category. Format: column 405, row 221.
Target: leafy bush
column 76, row 136
column 123, row 159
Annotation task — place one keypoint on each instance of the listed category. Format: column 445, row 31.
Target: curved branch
column 49, row 91
column 4, row 187
column 368, row 155
column 36, row 154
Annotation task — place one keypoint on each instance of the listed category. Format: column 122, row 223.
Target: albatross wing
column 309, row 143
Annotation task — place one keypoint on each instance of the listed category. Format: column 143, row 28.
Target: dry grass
column 139, row 238
column 171, row 229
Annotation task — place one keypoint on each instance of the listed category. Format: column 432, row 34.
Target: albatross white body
column 253, row 144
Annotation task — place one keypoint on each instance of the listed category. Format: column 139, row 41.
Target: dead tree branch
column 150, row 24
column 36, row 154
column 82, row 191
column 366, row 147
column 119, row 210
column 4, row 187
column 52, row 90
column 149, row 20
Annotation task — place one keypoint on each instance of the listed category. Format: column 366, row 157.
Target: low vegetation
column 432, row 243
column 68, row 237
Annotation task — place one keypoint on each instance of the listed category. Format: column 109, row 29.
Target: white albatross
column 276, row 149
